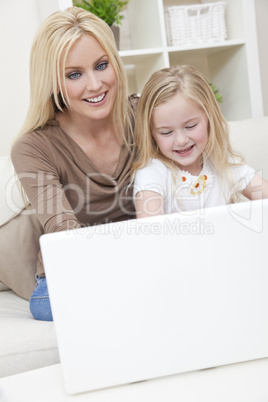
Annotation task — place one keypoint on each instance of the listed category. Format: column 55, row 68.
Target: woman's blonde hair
column 52, row 42
column 160, row 88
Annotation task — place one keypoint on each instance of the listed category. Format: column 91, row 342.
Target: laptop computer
column 147, row 298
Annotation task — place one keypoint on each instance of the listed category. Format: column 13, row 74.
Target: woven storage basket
column 198, row 23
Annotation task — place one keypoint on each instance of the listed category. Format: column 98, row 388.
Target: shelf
column 140, row 52
column 213, row 46
column 231, row 65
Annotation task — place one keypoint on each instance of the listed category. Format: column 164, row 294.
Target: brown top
column 64, row 187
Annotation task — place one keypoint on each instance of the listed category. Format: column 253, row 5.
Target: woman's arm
column 256, row 189
column 39, row 178
column 149, row 203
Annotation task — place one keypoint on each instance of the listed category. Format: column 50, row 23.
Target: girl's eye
column 74, row 76
column 166, row 133
column 191, row 126
column 102, row 66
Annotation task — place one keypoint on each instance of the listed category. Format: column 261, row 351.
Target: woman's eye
column 74, row 76
column 102, row 66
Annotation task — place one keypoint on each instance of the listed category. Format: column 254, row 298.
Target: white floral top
column 192, row 192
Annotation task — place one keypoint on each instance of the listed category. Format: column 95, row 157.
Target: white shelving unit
column 232, row 65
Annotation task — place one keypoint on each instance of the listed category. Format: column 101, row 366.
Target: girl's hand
column 257, row 189
column 149, row 203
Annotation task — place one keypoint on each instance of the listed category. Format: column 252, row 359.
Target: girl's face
column 90, row 80
column 180, row 129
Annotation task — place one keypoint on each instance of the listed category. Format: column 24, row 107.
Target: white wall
column 19, row 20
column 261, row 7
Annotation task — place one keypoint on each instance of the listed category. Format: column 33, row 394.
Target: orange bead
column 183, row 178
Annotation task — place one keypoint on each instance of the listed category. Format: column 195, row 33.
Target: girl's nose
column 181, row 138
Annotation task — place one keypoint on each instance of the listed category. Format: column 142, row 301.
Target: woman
column 74, row 151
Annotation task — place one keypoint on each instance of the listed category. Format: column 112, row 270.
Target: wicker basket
column 198, row 23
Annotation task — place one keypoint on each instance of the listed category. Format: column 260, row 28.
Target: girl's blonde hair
column 160, row 88
column 50, row 48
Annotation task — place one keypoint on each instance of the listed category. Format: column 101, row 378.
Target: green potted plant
column 216, row 92
column 107, row 10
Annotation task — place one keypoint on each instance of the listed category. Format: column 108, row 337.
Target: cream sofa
column 26, row 344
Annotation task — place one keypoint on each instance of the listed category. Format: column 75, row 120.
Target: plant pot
column 116, row 31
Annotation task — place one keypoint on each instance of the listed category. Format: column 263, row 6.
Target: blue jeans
column 39, row 301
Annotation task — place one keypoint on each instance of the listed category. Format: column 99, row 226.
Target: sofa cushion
column 11, row 201
column 250, row 138
column 3, row 287
column 19, row 247
column 25, row 343
column 19, row 235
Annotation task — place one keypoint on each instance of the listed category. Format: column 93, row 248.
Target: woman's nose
column 93, row 82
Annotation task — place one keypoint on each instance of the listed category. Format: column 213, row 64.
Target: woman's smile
column 97, row 99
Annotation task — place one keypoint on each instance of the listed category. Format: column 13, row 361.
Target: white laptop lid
column 147, row 298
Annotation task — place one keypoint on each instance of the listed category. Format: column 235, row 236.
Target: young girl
column 185, row 160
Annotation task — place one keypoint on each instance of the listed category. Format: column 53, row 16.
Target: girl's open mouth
column 184, row 151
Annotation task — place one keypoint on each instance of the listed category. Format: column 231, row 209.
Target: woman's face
column 91, row 83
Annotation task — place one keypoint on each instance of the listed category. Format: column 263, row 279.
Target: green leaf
column 216, row 92
column 107, row 10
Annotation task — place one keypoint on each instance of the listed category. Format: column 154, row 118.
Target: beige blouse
column 64, row 187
